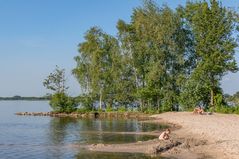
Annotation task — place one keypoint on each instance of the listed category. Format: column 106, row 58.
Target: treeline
column 231, row 104
column 162, row 60
column 26, row 98
column 232, row 100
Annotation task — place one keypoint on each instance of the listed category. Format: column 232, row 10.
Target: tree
column 157, row 45
column 213, row 27
column 234, row 99
column 97, row 65
column 60, row 101
column 56, row 81
column 163, row 59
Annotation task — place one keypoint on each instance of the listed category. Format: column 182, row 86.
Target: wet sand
column 193, row 136
column 176, row 147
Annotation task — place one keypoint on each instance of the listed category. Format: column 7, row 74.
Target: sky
column 37, row 35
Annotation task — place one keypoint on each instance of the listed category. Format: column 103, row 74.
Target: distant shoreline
column 17, row 98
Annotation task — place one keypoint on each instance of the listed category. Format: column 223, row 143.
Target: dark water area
column 47, row 137
column 105, row 155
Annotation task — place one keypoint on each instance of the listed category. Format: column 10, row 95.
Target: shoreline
column 193, row 136
column 200, row 136
column 177, row 147
column 96, row 115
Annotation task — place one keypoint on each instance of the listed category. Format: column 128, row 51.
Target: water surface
column 47, row 137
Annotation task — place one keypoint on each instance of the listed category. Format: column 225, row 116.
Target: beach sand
column 218, row 132
column 196, row 137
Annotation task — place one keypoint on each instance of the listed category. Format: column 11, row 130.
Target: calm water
column 46, row 137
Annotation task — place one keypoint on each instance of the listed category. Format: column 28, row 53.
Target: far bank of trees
column 17, row 97
column 162, row 60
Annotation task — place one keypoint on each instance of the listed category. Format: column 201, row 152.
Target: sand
column 196, row 137
column 219, row 131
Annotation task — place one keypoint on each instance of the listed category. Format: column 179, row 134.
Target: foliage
column 162, row 60
column 60, row 102
column 122, row 109
column 233, row 100
column 228, row 110
column 194, row 93
column 82, row 110
column 155, row 43
column 150, row 110
column 213, row 26
column 226, row 103
column 100, row 110
column 85, row 102
column 56, row 81
column 97, row 65
column 109, row 108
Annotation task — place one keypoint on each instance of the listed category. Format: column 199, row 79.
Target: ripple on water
column 44, row 137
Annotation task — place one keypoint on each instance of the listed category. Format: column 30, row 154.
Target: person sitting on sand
column 198, row 110
column 164, row 135
column 201, row 111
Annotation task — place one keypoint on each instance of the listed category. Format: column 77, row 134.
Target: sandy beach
column 220, row 131
column 193, row 137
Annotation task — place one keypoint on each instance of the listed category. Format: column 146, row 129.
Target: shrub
column 228, row 110
column 100, row 110
column 83, row 110
column 86, row 102
column 150, row 110
column 122, row 109
column 62, row 103
column 109, row 108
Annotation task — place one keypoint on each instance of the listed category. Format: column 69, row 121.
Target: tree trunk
column 100, row 101
column 212, row 98
column 158, row 104
column 141, row 105
column 111, row 103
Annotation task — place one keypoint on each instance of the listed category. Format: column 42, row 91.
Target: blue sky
column 37, row 35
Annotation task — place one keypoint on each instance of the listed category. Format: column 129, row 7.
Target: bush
column 150, row 110
column 109, row 108
column 122, row 109
column 85, row 102
column 100, row 110
column 62, row 103
column 83, row 110
column 228, row 110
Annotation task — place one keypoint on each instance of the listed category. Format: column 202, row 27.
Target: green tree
column 163, row 59
column 213, row 26
column 60, row 101
column 157, row 45
column 56, row 81
column 97, row 65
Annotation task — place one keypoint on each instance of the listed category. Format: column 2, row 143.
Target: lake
column 48, row 137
